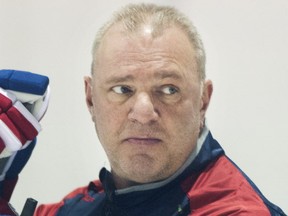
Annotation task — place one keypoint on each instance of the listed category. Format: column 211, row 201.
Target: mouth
column 142, row 141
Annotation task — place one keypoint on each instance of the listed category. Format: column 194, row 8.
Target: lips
column 143, row 141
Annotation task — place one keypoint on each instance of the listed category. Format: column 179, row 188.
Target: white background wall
column 247, row 49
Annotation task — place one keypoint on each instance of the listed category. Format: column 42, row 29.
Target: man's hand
column 24, row 99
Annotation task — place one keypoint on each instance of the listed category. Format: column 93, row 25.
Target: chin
column 144, row 176
column 144, row 168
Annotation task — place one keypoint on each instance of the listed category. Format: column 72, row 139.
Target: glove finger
column 24, row 120
column 36, row 104
column 7, row 99
column 10, row 134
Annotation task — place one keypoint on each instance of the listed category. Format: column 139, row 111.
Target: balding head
column 154, row 19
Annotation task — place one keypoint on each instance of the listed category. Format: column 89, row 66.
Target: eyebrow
column 119, row 79
column 157, row 75
column 168, row 74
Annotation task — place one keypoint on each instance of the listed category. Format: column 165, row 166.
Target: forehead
column 170, row 49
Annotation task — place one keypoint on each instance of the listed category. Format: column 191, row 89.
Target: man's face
column 146, row 102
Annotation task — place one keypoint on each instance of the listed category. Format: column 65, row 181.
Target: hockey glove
column 24, row 99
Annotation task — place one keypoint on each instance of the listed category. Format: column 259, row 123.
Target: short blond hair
column 134, row 16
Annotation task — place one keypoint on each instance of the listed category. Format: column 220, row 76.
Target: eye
column 169, row 90
column 122, row 90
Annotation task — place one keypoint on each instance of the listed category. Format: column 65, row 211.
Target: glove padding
column 17, row 125
column 24, row 99
column 30, row 89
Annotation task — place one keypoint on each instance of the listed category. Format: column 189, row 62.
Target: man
column 148, row 96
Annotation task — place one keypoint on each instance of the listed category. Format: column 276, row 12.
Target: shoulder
column 85, row 194
column 222, row 189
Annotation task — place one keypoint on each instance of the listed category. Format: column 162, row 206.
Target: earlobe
column 88, row 93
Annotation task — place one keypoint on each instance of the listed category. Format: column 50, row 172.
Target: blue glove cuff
column 23, row 81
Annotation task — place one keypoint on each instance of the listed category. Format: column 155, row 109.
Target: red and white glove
column 24, row 99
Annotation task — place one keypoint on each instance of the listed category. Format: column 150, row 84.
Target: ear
column 88, row 93
column 206, row 96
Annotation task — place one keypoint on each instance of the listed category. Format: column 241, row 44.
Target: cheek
column 108, row 118
column 186, row 111
column 184, row 122
column 191, row 118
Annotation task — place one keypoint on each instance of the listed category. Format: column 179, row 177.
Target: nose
column 143, row 110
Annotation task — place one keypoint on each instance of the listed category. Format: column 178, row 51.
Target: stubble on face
column 167, row 141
